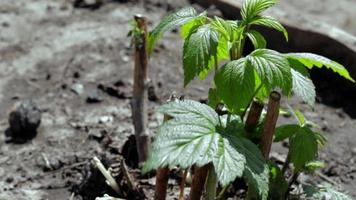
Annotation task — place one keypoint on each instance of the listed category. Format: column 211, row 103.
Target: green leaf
column 310, row 60
column 297, row 115
column 235, row 84
column 198, row 51
column 192, row 25
column 285, row 131
column 272, row 68
column 194, row 137
column 314, row 165
column 182, row 110
column 303, row 147
column 278, row 185
column 251, row 8
column 271, row 23
column 256, row 171
column 227, row 28
column 222, row 54
column 169, row 22
column 258, row 180
column 302, row 85
column 325, row 191
column 257, row 39
column 213, row 98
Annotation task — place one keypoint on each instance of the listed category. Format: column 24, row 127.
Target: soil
column 76, row 64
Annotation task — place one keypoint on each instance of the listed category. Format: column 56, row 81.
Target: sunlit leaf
column 310, row 60
column 271, row 23
column 169, row 22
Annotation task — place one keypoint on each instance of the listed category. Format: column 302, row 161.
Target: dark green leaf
column 303, row 148
column 251, row 8
column 310, row 60
column 222, row 54
column 169, row 22
column 271, row 23
column 285, row 131
column 227, row 28
column 213, row 98
column 257, row 39
column 256, row 171
column 272, row 68
column 235, row 84
column 192, row 25
column 198, row 51
column 278, row 185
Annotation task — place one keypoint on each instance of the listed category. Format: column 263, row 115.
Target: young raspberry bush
column 200, row 134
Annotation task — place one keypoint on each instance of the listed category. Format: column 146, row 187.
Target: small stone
column 78, row 88
column 106, row 119
column 354, row 150
column 95, row 96
column 24, row 121
column 9, row 179
column 76, row 75
column 5, row 24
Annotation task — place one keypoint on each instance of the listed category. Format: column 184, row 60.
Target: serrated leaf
column 258, row 180
column 251, row 8
column 169, row 22
column 228, row 162
column 272, row 68
column 256, row 171
column 303, row 147
column 271, row 23
column 310, row 60
column 227, row 28
column 194, row 137
column 285, row 131
column 303, row 86
column 257, row 39
column 235, row 84
column 322, row 192
column 192, row 25
column 329, row 191
column 192, row 110
column 222, row 54
column 198, row 51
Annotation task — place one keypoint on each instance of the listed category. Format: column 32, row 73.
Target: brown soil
column 48, row 50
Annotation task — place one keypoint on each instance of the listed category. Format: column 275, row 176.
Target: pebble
column 95, row 96
column 24, row 120
column 106, row 119
column 77, row 88
column 353, row 150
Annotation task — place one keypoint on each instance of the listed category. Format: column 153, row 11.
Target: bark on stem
column 162, row 174
column 211, row 183
column 139, row 98
column 270, row 123
column 196, row 190
column 162, row 177
column 253, row 116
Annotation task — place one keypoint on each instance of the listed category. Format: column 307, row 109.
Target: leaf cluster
column 198, row 135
